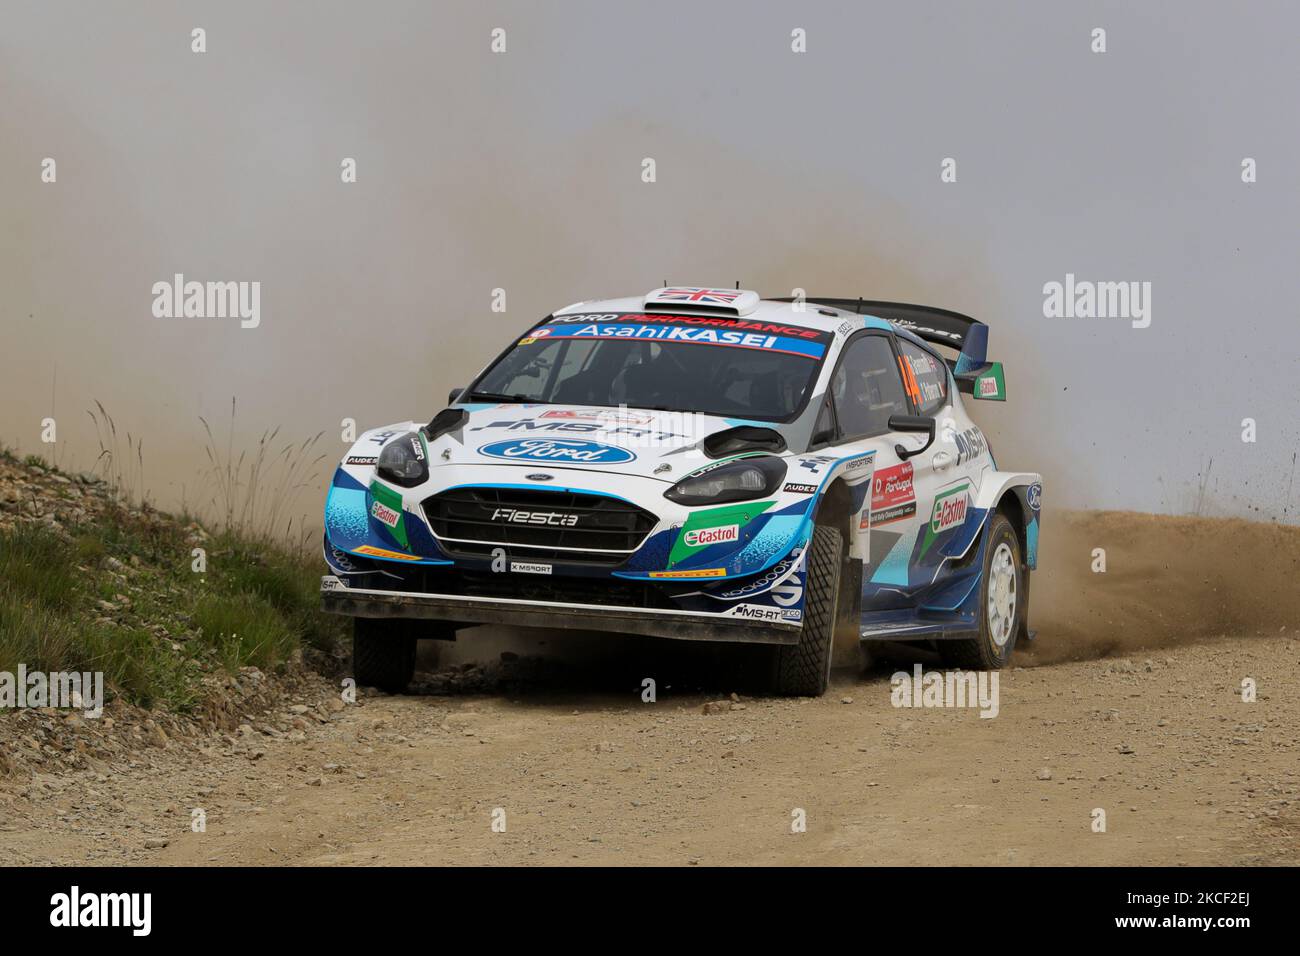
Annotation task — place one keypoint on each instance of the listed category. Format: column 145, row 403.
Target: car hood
column 629, row 441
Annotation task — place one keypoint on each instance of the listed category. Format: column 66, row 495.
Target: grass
column 165, row 625
column 287, row 581
column 122, row 467
column 37, row 566
column 254, row 492
column 48, row 622
column 244, row 629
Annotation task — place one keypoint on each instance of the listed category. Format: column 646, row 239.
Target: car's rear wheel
column 804, row 669
column 1001, row 604
column 383, row 653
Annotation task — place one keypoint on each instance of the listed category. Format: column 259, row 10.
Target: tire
column 383, row 653
column 999, row 624
column 804, row 669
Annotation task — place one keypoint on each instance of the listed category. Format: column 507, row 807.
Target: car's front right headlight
column 741, row 480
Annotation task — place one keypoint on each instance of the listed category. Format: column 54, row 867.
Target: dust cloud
column 1166, row 581
column 523, row 173
column 347, row 332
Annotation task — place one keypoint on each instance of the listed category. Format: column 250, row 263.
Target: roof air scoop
column 693, row 300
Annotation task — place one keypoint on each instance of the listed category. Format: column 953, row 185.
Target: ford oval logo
column 538, row 476
column 557, row 451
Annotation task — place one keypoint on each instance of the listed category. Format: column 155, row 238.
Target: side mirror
column 453, row 395
column 912, row 423
column 447, row 420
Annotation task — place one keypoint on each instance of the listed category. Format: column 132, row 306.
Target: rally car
column 700, row 464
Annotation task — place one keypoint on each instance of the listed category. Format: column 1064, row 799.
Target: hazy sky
column 522, row 170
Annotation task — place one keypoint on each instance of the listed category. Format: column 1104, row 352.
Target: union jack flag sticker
column 717, row 296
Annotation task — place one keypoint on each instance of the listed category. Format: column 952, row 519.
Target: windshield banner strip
column 733, row 338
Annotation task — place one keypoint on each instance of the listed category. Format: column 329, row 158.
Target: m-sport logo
column 557, row 451
column 519, row 516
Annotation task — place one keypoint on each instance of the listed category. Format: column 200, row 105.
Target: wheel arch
column 837, row 508
column 1010, row 494
column 834, row 506
column 1015, row 502
column 1011, row 506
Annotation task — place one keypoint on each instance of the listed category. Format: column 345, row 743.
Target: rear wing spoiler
column 974, row 375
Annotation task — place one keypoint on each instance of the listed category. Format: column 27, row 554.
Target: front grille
column 551, row 525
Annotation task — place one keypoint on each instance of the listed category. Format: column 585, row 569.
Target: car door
column 866, row 389
column 944, row 488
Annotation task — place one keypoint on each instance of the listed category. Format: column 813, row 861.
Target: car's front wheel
column 804, row 669
column 1001, row 604
column 383, row 653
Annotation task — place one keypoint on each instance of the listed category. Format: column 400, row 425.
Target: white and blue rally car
column 698, row 464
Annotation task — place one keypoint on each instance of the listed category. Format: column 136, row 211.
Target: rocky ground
column 33, row 493
column 527, row 747
column 1186, row 772
column 126, row 588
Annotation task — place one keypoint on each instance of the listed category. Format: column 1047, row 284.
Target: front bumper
column 459, row 609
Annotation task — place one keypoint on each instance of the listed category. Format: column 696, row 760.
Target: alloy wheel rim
column 1001, row 610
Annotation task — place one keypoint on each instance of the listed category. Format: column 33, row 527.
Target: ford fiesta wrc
column 698, row 464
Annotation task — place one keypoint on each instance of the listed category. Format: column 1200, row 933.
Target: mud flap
column 848, row 617
column 1025, row 634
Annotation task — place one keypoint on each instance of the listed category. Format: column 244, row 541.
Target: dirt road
column 1185, row 771
column 1129, row 703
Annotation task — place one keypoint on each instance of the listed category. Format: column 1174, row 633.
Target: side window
column 925, row 376
column 867, row 389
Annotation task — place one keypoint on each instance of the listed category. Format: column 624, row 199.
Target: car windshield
column 712, row 365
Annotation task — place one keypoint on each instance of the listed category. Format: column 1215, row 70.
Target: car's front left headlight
column 741, row 480
column 403, row 461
